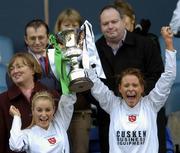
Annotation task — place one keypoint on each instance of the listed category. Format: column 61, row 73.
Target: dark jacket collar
column 130, row 38
column 14, row 91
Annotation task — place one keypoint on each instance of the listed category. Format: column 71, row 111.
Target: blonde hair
column 68, row 14
column 29, row 60
column 125, row 8
column 43, row 95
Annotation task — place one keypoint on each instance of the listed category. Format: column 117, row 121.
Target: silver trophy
column 71, row 42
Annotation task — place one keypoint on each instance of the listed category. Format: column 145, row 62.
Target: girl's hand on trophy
column 91, row 74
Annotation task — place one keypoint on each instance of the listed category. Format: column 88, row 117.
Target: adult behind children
column 128, row 14
column 47, row 132
column 24, row 72
column 133, row 126
column 68, row 19
column 119, row 49
column 81, row 120
column 36, row 38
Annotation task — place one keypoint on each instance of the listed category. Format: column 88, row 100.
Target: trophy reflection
column 71, row 42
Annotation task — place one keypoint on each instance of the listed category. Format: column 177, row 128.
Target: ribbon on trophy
column 90, row 55
column 65, row 62
column 58, row 64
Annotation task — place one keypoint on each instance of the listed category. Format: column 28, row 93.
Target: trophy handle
column 80, row 39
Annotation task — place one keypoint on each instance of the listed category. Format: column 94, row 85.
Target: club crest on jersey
column 132, row 118
column 52, row 140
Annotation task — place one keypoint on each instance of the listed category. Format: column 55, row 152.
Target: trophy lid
column 68, row 37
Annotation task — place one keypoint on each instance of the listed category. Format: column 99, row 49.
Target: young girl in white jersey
column 47, row 132
column 133, row 117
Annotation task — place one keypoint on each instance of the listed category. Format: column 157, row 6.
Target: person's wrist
column 169, row 44
column 16, row 116
column 170, row 48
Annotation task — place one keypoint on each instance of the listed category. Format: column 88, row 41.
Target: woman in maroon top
column 25, row 72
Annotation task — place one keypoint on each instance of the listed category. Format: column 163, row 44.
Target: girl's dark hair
column 132, row 71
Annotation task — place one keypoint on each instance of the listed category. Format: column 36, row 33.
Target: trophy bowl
column 70, row 41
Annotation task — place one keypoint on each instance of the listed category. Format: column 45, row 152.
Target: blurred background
column 15, row 14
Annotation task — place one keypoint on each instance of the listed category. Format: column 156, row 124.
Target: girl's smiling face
column 43, row 112
column 131, row 89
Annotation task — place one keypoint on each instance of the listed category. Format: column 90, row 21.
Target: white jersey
column 39, row 140
column 175, row 20
column 134, row 129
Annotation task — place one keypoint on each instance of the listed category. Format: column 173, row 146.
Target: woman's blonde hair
column 43, row 95
column 68, row 14
column 125, row 8
column 28, row 60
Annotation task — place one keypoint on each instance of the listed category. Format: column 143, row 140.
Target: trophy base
column 80, row 84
